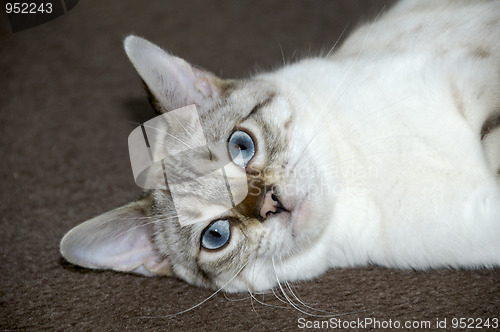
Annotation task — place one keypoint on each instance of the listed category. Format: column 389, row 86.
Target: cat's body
column 386, row 152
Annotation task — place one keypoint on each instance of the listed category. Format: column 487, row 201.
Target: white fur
column 435, row 200
column 386, row 141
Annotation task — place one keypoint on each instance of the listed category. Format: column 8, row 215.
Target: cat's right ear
column 171, row 82
column 120, row 240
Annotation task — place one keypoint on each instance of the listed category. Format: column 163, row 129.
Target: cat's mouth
column 295, row 209
column 271, row 205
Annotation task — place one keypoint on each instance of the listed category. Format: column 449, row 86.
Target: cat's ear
column 120, row 240
column 171, row 82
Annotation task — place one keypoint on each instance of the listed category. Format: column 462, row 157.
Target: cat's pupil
column 215, row 233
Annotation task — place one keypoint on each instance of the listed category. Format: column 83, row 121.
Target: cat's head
column 280, row 208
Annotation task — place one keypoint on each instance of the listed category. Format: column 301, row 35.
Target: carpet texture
column 68, row 100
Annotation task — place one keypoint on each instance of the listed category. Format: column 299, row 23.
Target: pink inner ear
column 127, row 251
column 206, row 83
column 173, row 81
column 203, row 86
column 117, row 240
column 134, row 252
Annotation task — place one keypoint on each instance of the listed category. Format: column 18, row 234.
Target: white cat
column 387, row 152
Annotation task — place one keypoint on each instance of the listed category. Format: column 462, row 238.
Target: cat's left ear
column 172, row 82
column 120, row 240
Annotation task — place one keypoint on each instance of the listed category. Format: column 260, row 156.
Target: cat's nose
column 269, row 204
column 260, row 202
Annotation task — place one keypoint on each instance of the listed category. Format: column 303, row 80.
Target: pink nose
column 269, row 205
column 260, row 202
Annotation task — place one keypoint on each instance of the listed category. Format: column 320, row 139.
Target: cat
column 385, row 152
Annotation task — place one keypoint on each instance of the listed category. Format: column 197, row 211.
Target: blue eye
column 241, row 148
column 216, row 235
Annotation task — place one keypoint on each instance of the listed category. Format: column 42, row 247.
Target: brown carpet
column 68, row 100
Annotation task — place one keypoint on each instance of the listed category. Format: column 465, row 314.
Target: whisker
column 180, row 123
column 236, row 300
column 298, row 308
column 199, row 304
column 266, row 304
column 356, row 59
column 303, row 303
column 253, row 274
column 169, row 134
column 139, row 226
column 320, row 115
column 251, row 302
column 165, row 132
column 338, row 39
column 282, row 53
column 277, row 296
column 352, row 130
column 286, row 296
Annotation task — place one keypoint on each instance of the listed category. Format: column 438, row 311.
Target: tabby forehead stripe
column 259, row 106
